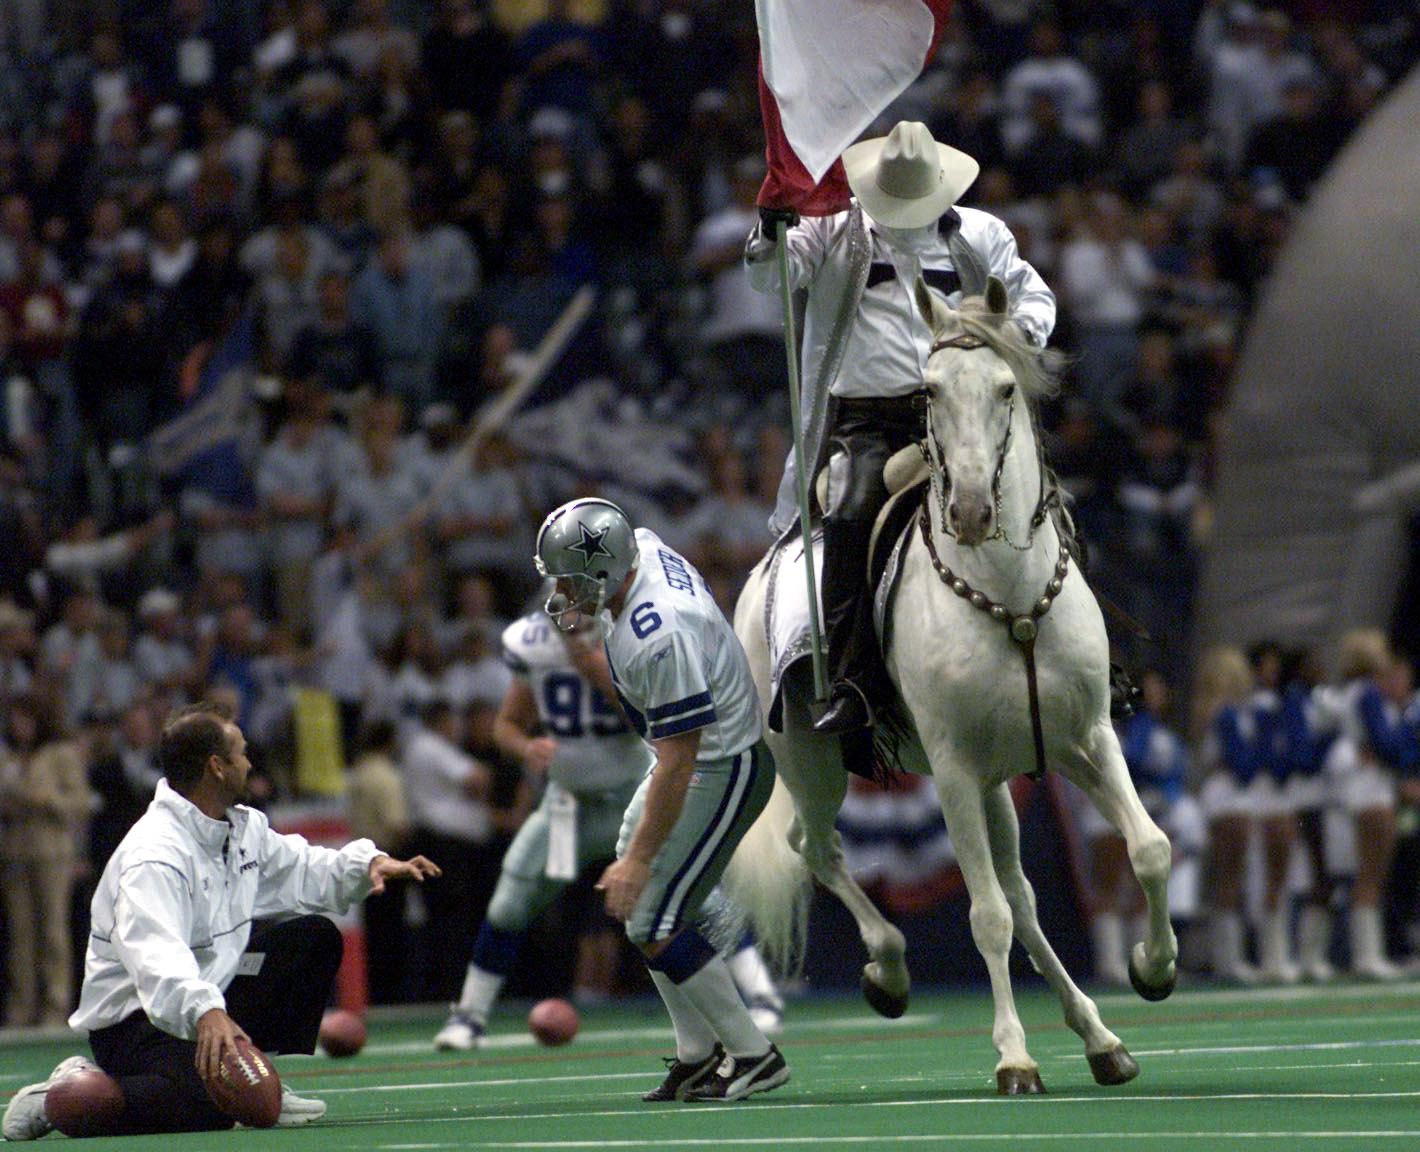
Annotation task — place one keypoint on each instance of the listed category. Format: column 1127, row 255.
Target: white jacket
column 851, row 348
column 173, row 910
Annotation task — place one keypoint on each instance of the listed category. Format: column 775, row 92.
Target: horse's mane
column 1037, row 370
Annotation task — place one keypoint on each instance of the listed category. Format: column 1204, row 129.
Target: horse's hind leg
column 812, row 768
column 1109, row 1060
column 991, row 923
column 1105, row 780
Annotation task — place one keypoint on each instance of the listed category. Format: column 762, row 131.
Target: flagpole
column 791, row 351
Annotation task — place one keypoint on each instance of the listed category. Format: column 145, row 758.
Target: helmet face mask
column 587, row 547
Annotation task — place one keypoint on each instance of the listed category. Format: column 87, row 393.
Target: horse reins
column 1048, row 498
column 1022, row 629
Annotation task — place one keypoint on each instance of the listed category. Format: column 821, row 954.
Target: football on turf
column 246, row 1086
column 85, row 1103
column 553, row 1022
column 342, row 1033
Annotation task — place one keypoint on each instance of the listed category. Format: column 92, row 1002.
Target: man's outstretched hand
column 383, row 868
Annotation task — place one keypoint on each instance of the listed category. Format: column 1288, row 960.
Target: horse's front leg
column 991, row 922
column 1110, row 1062
column 1104, row 777
column 814, row 771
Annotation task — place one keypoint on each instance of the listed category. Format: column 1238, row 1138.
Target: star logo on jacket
column 590, row 546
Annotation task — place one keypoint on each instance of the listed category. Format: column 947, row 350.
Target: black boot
column 848, row 626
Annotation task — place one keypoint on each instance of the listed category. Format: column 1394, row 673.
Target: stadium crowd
column 263, row 261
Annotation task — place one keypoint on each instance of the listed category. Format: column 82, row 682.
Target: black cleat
column 741, row 1076
column 682, row 1076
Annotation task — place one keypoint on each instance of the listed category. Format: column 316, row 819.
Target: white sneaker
column 298, row 1109
column 767, row 1018
column 460, row 1033
column 25, row 1118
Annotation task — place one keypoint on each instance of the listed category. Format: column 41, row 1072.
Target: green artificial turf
column 1285, row 1070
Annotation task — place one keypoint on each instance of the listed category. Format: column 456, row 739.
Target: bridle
column 1022, row 629
column 1048, row 497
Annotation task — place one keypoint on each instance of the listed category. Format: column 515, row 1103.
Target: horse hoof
column 1152, row 992
column 1113, row 1067
column 1019, row 1082
column 881, row 1001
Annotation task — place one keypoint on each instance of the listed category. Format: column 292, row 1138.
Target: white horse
column 999, row 655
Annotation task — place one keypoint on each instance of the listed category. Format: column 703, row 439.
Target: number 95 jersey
column 676, row 661
column 597, row 750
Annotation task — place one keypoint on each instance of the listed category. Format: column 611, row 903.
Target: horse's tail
column 769, row 886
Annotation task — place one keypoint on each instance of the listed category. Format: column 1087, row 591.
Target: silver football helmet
column 587, row 547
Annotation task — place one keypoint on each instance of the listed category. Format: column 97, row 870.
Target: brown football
column 246, row 1087
column 85, row 1103
column 553, row 1022
column 342, row 1033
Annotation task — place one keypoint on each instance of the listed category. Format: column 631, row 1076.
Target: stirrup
column 848, row 710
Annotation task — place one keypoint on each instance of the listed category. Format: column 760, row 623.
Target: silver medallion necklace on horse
column 998, row 653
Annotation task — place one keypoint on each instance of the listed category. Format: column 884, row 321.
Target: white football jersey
column 677, row 662
column 596, row 748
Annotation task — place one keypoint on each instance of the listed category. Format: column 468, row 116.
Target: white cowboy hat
column 906, row 179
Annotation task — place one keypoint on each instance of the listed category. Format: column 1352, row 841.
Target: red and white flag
column 828, row 69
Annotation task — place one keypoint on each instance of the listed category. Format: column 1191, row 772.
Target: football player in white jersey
column 685, row 683
column 561, row 721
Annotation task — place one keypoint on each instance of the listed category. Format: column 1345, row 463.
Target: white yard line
column 925, row 1138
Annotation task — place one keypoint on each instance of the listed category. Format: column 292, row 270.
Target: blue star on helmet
column 591, row 545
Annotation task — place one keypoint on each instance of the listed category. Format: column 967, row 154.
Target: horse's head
column 971, row 395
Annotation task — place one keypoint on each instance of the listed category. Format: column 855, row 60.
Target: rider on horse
column 859, row 266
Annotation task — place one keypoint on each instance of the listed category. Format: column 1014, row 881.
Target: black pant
column 867, row 432
column 456, row 906
column 279, row 1007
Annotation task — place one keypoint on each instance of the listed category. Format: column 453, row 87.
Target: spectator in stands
column 17, row 643
column 480, row 522
column 44, row 799
column 103, row 683
column 398, row 303
column 374, row 499
column 466, row 58
column 1104, row 277
column 162, row 654
column 379, row 812
column 381, row 181
column 297, row 478
column 1294, row 146
column 123, row 776
column 1051, row 72
column 447, row 791
column 1159, row 494
column 285, row 298
column 334, row 352
column 441, row 251
column 561, row 61
column 370, row 35
column 743, row 330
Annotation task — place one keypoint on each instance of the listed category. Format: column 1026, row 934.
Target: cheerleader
column 1372, row 744
column 1232, row 741
column 1275, row 813
column 1304, row 752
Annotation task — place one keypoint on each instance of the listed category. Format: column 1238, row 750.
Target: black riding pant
column 279, row 1007
column 866, row 433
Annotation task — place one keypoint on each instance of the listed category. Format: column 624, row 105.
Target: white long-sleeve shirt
column 890, row 342
column 173, row 910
